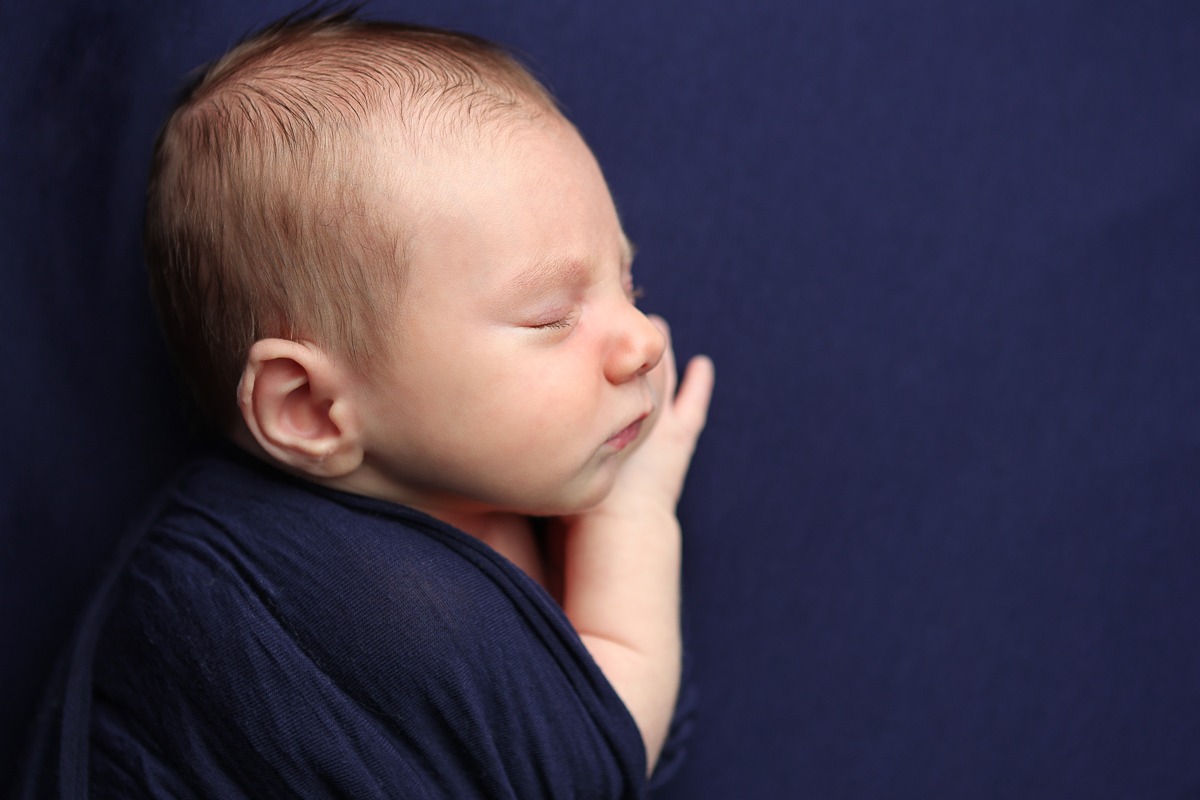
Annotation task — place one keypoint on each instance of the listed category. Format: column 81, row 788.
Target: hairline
column 430, row 107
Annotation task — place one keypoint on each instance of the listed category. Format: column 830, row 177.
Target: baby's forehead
column 513, row 171
column 408, row 161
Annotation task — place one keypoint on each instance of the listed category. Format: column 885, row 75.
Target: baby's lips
column 627, row 435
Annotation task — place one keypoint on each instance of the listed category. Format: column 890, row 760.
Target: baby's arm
column 621, row 559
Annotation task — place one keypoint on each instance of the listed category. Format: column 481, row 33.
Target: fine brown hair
column 254, row 225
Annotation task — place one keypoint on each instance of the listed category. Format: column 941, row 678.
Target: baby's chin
column 579, row 502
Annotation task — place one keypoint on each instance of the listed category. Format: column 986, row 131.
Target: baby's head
column 258, row 220
column 385, row 261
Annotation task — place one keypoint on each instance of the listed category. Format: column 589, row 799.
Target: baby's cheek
column 658, row 378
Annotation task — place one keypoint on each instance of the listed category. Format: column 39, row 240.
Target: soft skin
column 517, row 353
column 519, row 378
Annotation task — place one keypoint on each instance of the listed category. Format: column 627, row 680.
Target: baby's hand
column 620, row 565
column 651, row 479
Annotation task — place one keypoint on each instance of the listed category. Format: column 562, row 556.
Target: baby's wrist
column 634, row 516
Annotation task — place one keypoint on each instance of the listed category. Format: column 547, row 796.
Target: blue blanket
column 263, row 637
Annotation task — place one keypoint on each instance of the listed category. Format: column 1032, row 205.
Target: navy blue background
column 942, row 531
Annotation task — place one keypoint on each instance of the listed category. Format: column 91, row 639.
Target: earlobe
column 296, row 403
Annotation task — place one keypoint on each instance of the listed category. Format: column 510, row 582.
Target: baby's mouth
column 627, row 435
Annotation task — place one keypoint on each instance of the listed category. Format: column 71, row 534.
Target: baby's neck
column 510, row 535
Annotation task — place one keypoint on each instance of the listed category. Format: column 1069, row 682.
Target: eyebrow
column 546, row 270
column 543, row 272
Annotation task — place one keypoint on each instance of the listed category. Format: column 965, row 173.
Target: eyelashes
column 633, row 293
column 558, row 324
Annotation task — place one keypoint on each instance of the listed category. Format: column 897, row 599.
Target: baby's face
column 516, row 378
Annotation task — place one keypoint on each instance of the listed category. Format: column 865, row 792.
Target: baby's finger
column 695, row 393
column 667, row 363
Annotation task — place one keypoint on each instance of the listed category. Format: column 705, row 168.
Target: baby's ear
column 297, row 402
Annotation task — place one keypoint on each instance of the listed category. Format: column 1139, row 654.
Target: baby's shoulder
column 240, row 554
column 320, row 625
column 233, row 530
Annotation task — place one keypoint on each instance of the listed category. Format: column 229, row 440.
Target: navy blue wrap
column 264, row 637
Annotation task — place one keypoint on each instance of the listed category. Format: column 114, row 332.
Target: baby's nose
column 638, row 348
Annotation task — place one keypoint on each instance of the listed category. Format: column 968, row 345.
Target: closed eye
column 561, row 321
column 565, row 322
